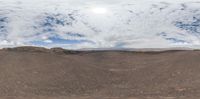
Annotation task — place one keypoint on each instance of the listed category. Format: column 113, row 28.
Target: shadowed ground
column 39, row 73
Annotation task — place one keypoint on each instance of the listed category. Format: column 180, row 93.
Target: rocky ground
column 39, row 73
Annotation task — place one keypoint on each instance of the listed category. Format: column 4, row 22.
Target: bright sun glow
column 99, row 10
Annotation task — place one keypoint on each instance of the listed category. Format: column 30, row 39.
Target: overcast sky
column 77, row 24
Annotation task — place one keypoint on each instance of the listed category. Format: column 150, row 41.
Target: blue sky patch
column 66, row 41
column 74, row 34
column 57, row 40
column 193, row 27
column 3, row 26
column 175, row 40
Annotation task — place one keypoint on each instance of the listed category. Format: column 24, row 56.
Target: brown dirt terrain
column 39, row 73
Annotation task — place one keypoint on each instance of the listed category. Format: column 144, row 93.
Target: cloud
column 126, row 24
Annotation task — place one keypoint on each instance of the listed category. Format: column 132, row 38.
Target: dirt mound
column 28, row 72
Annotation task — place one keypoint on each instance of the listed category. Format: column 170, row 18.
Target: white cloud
column 125, row 23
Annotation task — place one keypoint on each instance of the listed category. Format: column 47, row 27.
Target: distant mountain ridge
column 39, row 49
column 62, row 50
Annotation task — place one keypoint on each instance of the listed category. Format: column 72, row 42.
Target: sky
column 82, row 24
